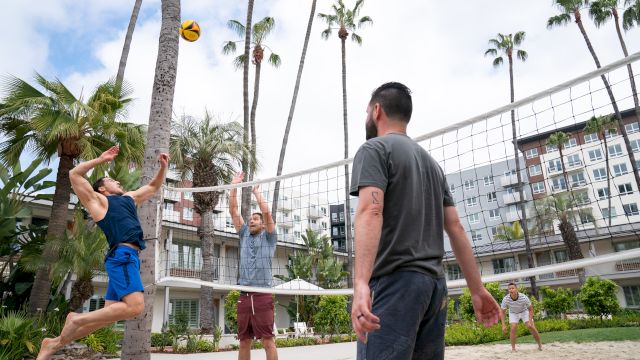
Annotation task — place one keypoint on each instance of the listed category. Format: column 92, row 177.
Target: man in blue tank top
column 257, row 246
column 114, row 210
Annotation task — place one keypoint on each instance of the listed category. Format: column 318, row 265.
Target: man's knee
column 268, row 343
column 135, row 304
column 246, row 343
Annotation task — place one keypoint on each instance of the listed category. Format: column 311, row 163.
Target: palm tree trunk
column 612, row 98
column 573, row 246
column 254, row 107
column 127, row 42
column 137, row 339
column 606, row 161
column 245, row 197
column 39, row 297
column 205, row 232
column 81, row 291
column 285, row 139
column 347, row 202
column 523, row 209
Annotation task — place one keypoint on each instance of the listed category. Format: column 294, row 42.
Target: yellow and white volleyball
column 190, row 30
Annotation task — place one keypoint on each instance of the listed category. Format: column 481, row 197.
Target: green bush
column 549, row 325
column 332, row 316
column 282, row 343
column 19, row 335
column 598, row 296
column 466, row 306
column 557, row 302
column 105, row 340
column 160, row 340
column 204, row 346
column 231, row 310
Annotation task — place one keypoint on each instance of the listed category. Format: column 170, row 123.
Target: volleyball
column 190, row 30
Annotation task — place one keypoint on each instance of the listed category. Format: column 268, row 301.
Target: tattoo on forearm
column 374, row 195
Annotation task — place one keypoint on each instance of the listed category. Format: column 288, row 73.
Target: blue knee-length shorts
column 123, row 268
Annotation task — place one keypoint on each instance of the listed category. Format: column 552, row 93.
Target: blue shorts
column 123, row 268
column 412, row 308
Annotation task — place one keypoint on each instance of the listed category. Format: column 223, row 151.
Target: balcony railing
column 192, row 269
column 510, row 180
column 513, row 197
column 171, row 215
column 628, row 265
column 314, row 213
column 171, row 195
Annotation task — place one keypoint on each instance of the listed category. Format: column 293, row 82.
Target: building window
column 185, row 256
column 538, row 187
column 632, row 128
column 589, row 138
column 595, row 155
column 615, row 150
column 168, row 206
column 296, row 235
column 626, row 245
column 454, row 272
column 555, row 165
column 582, row 198
column 493, row 230
column 189, row 306
column 571, row 143
column 600, row 174
column 469, row 184
column 632, row 295
column 503, row 265
column 574, row 160
column 635, row 145
column 551, row 148
column 188, row 195
column 609, row 133
column 620, row 169
column 488, row 180
column 473, row 201
column 625, row 189
column 474, row 218
column 561, row 256
column 531, row 153
column 452, row 188
column 609, row 211
column 492, row 197
column 296, row 218
column 535, row 170
column 603, row 193
column 509, row 173
column 558, row 183
column 578, row 179
column 187, row 213
column 494, row 214
column 630, row 209
column 476, row 235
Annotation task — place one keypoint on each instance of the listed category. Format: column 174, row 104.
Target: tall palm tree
column 571, row 9
column 346, row 20
column 245, row 196
column 127, row 41
column 510, row 232
column 603, row 10
column 138, row 331
column 560, row 207
column 52, row 123
column 559, row 139
column 631, row 15
column 507, row 45
column 261, row 30
column 599, row 125
column 207, row 153
column 296, row 88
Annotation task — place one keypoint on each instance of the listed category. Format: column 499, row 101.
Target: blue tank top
column 121, row 223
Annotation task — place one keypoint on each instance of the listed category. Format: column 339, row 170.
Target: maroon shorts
column 255, row 316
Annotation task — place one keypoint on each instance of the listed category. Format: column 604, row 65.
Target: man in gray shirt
column 257, row 246
column 400, row 292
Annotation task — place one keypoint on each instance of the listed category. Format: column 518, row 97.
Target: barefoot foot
column 48, row 348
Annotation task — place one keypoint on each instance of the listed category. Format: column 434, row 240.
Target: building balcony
column 576, row 165
column 171, row 195
column 628, row 265
column 284, row 222
column 513, row 197
column 171, row 215
column 511, row 180
column 511, row 216
column 314, row 213
column 285, row 205
column 192, row 270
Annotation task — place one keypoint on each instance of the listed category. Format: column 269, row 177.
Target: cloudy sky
column 436, row 48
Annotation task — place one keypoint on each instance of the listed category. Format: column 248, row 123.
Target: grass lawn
column 583, row 335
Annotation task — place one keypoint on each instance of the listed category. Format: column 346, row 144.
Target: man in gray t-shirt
column 399, row 304
column 257, row 247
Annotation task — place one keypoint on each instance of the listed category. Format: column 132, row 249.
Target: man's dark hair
column 98, row 183
column 260, row 215
column 395, row 99
column 512, row 284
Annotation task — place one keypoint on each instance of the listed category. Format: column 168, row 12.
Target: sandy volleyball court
column 608, row 350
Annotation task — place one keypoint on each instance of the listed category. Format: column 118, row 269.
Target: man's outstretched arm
column 146, row 192
column 233, row 202
column 269, row 224
column 82, row 187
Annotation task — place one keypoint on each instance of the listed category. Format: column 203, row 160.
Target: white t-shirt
column 518, row 305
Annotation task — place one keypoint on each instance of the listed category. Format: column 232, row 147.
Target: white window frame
column 574, row 160
column 595, row 155
column 610, row 133
column 474, row 218
column 570, row 143
column 554, row 165
column 492, row 197
column 476, row 235
column 632, row 207
column 469, row 185
column 494, row 214
column 488, row 180
column 597, row 174
column 452, row 188
column 556, row 183
column 589, row 138
column 625, row 189
column 551, row 148
column 605, row 213
column 531, row 153
column 187, row 213
column 578, row 179
column 603, row 193
column 538, row 187
column 615, row 150
column 635, row 145
column 631, row 128
column 620, row 169
column 471, row 202
column 537, row 171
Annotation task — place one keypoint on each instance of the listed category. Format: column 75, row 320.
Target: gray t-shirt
column 415, row 193
column 256, row 253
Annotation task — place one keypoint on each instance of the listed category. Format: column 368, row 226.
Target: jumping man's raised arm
column 233, row 202
column 145, row 192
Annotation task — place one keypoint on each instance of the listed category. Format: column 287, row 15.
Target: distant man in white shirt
column 520, row 308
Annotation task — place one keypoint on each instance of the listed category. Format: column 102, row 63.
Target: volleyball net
column 565, row 199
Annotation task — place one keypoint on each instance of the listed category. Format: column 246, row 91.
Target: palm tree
column 603, row 10
column 600, row 125
column 261, row 30
column 558, row 139
column 560, row 207
column 127, row 41
column 510, row 232
column 245, row 196
column 54, row 123
column 206, row 152
column 506, row 45
column 346, row 21
column 631, row 15
column 138, row 331
column 285, row 138
column 571, row 8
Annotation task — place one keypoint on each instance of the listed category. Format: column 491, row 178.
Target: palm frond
column 522, row 55
column 519, row 37
column 497, row 61
column 274, row 59
column 326, row 33
column 237, row 27
column 558, row 20
column 631, row 15
column 229, row 47
column 365, row 20
column 491, row 52
column 356, row 38
column 239, row 61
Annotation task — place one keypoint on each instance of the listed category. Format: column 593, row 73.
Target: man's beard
column 371, row 129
